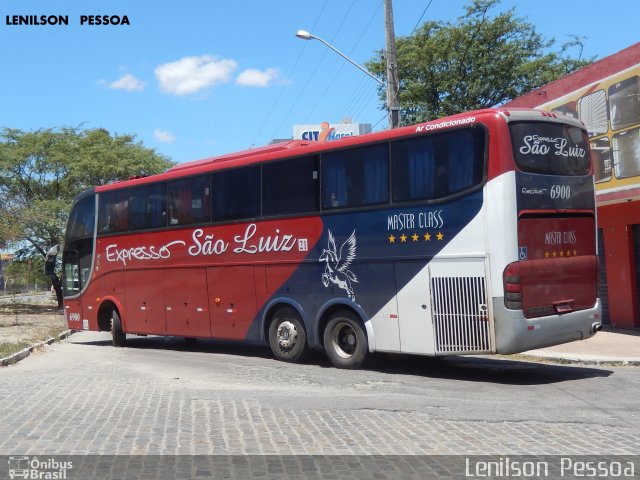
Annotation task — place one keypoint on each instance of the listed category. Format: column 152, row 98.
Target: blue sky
column 194, row 79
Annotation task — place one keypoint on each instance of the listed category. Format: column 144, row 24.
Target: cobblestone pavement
column 166, row 396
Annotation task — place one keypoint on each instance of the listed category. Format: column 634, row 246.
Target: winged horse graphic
column 337, row 264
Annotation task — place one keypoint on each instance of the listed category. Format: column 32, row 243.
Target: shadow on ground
column 475, row 369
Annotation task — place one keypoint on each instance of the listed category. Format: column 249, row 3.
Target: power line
column 273, row 107
column 330, row 84
column 358, row 89
column 420, row 19
column 412, row 32
column 386, row 115
column 295, row 103
column 354, row 99
column 364, row 105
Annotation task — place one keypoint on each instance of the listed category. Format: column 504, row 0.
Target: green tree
column 479, row 61
column 26, row 273
column 42, row 171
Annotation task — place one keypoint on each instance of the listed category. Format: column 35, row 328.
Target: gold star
column 440, row 236
column 415, row 237
column 427, row 237
column 403, row 238
column 546, row 254
column 392, row 239
column 562, row 253
column 568, row 253
column 553, row 254
column 575, row 252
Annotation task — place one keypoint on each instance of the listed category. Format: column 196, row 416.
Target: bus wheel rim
column 287, row 335
column 345, row 340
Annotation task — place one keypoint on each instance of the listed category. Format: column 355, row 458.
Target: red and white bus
column 468, row 234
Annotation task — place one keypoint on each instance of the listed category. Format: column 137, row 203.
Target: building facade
column 606, row 97
column 325, row 131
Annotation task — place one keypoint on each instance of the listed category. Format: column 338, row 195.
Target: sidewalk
column 610, row 347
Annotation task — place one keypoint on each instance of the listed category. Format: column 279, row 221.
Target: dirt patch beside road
column 28, row 320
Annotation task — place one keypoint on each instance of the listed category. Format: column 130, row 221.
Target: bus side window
column 119, row 214
column 157, row 207
column 355, row 177
column 438, row 165
column 189, row 201
column 113, row 212
column 136, row 212
column 147, row 207
column 236, row 193
column 290, row 186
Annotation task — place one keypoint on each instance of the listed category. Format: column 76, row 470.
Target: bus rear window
column 550, row 148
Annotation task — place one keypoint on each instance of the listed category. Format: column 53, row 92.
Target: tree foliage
column 42, row 171
column 26, row 273
column 480, row 61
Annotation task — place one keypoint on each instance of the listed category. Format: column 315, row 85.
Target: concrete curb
column 569, row 359
column 25, row 352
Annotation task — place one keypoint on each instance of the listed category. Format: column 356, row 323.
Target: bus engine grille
column 460, row 315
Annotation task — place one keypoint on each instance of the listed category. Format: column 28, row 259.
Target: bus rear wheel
column 287, row 337
column 118, row 337
column 345, row 341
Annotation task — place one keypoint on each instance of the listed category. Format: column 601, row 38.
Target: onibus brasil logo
column 35, row 468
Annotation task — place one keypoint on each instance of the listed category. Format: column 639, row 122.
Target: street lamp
column 304, row 35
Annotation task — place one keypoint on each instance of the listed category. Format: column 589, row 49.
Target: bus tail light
column 512, row 287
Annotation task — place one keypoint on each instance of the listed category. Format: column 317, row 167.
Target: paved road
column 166, row 396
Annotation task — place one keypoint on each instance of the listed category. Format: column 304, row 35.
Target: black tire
column 287, row 336
column 119, row 338
column 345, row 340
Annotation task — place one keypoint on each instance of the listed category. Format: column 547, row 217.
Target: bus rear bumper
column 514, row 333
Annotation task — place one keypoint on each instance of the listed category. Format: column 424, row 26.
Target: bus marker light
column 218, row 301
column 512, row 286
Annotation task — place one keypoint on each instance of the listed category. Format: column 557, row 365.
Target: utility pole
column 393, row 103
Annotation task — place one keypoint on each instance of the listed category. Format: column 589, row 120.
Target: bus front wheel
column 287, row 337
column 119, row 338
column 345, row 341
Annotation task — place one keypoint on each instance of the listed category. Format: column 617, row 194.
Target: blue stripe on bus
column 356, row 257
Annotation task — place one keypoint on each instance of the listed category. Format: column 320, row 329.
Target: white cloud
column 256, row 78
column 129, row 83
column 193, row 74
column 163, row 136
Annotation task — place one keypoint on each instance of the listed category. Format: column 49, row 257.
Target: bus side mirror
column 50, row 261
